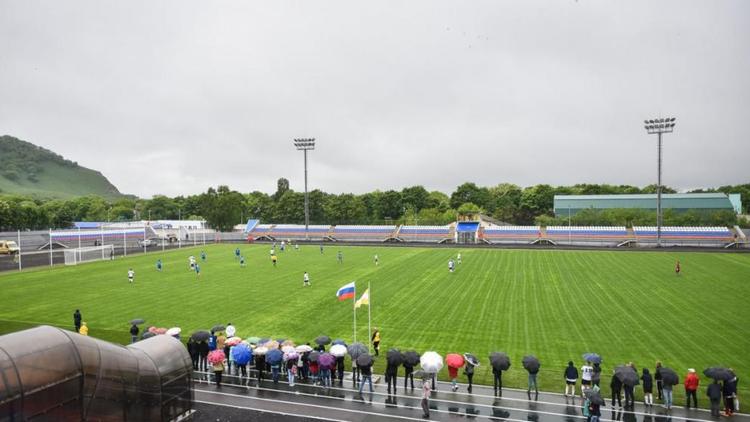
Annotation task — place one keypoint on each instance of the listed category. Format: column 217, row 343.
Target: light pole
column 659, row 126
column 305, row 144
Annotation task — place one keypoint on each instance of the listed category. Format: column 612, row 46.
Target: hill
column 31, row 170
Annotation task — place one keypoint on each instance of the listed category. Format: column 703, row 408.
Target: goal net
column 90, row 253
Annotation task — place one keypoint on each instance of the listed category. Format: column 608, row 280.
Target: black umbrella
column 217, row 328
column 422, row 374
column 356, row 349
column 321, row 340
column 471, row 359
column 314, row 356
column 280, row 340
column 411, row 358
column 669, row 376
column 531, row 363
column 718, row 373
column 201, row 335
column 137, row 321
column 339, row 341
column 627, row 375
column 394, row 357
column 364, row 360
column 594, row 397
column 147, row 334
column 499, row 361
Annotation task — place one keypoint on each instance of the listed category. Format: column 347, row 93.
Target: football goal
column 87, row 254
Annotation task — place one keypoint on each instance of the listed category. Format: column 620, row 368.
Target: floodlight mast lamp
column 305, row 144
column 659, row 126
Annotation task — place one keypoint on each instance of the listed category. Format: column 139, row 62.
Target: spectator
column 192, row 348
column 714, row 396
column 659, row 382
column 408, row 375
column 133, row 333
column 469, row 371
column 648, row 388
column 571, row 377
column 391, row 373
column 616, row 386
column 425, row 398
column 218, row 370
column 77, row 320
column 596, row 376
column 84, row 330
column 730, row 390
column 533, row 383
column 366, row 372
column 497, row 375
column 376, row 341
column 203, row 350
column 691, row 387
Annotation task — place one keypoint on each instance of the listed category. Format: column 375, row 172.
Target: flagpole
column 369, row 326
column 354, row 312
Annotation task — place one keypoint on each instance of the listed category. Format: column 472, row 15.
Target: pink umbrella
column 454, row 360
column 161, row 330
column 233, row 341
column 216, row 356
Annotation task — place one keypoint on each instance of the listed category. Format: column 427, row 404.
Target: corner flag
column 346, row 292
column 364, row 299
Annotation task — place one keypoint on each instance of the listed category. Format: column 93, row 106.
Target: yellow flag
column 364, row 300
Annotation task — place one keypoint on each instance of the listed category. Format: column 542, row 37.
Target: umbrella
column 592, row 357
column 241, row 354
column 281, row 340
column 669, row 376
column 264, row 340
column 291, row 355
column 201, row 335
column 288, row 349
column 531, row 363
column 160, row 330
column 411, row 358
column 356, row 349
column 364, row 359
column 216, row 356
column 303, row 348
column 627, row 375
column 431, row 362
column 422, row 374
column 594, row 396
column 326, row 359
column 287, row 343
column 152, row 329
column 321, row 340
column 339, row 341
column 471, row 359
column 338, row 350
column 260, row 351
column 217, row 328
column 137, row 321
column 147, row 334
column 499, row 361
column 454, row 360
column 173, row 331
column 233, row 341
column 394, row 357
column 717, row 373
column 253, row 340
column 274, row 356
column 314, row 356
column 271, row 344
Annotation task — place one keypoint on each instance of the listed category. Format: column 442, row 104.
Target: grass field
column 626, row 306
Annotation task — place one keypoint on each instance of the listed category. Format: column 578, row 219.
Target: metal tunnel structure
column 47, row 373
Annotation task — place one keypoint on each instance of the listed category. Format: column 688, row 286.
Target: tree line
column 223, row 207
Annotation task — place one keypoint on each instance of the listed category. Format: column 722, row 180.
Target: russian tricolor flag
column 346, row 292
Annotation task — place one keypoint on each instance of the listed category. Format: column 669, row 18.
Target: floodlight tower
column 305, row 144
column 659, row 126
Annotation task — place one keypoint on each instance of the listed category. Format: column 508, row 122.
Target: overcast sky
column 172, row 97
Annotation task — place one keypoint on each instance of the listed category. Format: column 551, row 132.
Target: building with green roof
column 565, row 205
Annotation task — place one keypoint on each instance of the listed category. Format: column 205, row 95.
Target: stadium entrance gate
column 466, row 232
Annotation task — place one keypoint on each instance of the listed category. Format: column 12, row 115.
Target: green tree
column 282, row 186
column 415, row 197
column 160, row 207
column 345, row 209
column 390, row 205
column 470, row 192
column 505, row 199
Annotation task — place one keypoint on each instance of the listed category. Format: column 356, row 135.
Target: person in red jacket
column 691, row 387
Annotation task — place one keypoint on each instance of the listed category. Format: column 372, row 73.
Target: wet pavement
column 344, row 403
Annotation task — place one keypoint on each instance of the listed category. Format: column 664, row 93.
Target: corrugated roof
column 717, row 195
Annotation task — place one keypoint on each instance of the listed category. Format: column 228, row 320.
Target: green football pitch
column 624, row 305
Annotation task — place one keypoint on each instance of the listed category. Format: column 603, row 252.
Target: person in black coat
column 571, row 377
column 729, row 390
column 659, row 382
column 192, row 348
column 714, row 395
column 77, row 320
column 408, row 375
column 648, row 388
column 203, row 356
column 391, row 372
column 616, row 386
column 596, row 376
column 340, row 369
column 260, row 365
column 134, row 333
column 497, row 375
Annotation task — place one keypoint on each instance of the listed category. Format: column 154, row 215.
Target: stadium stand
column 363, row 233
column 297, row 232
column 587, row 234
column 251, row 225
column 261, row 230
column 510, row 234
column 436, row 234
column 685, row 235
